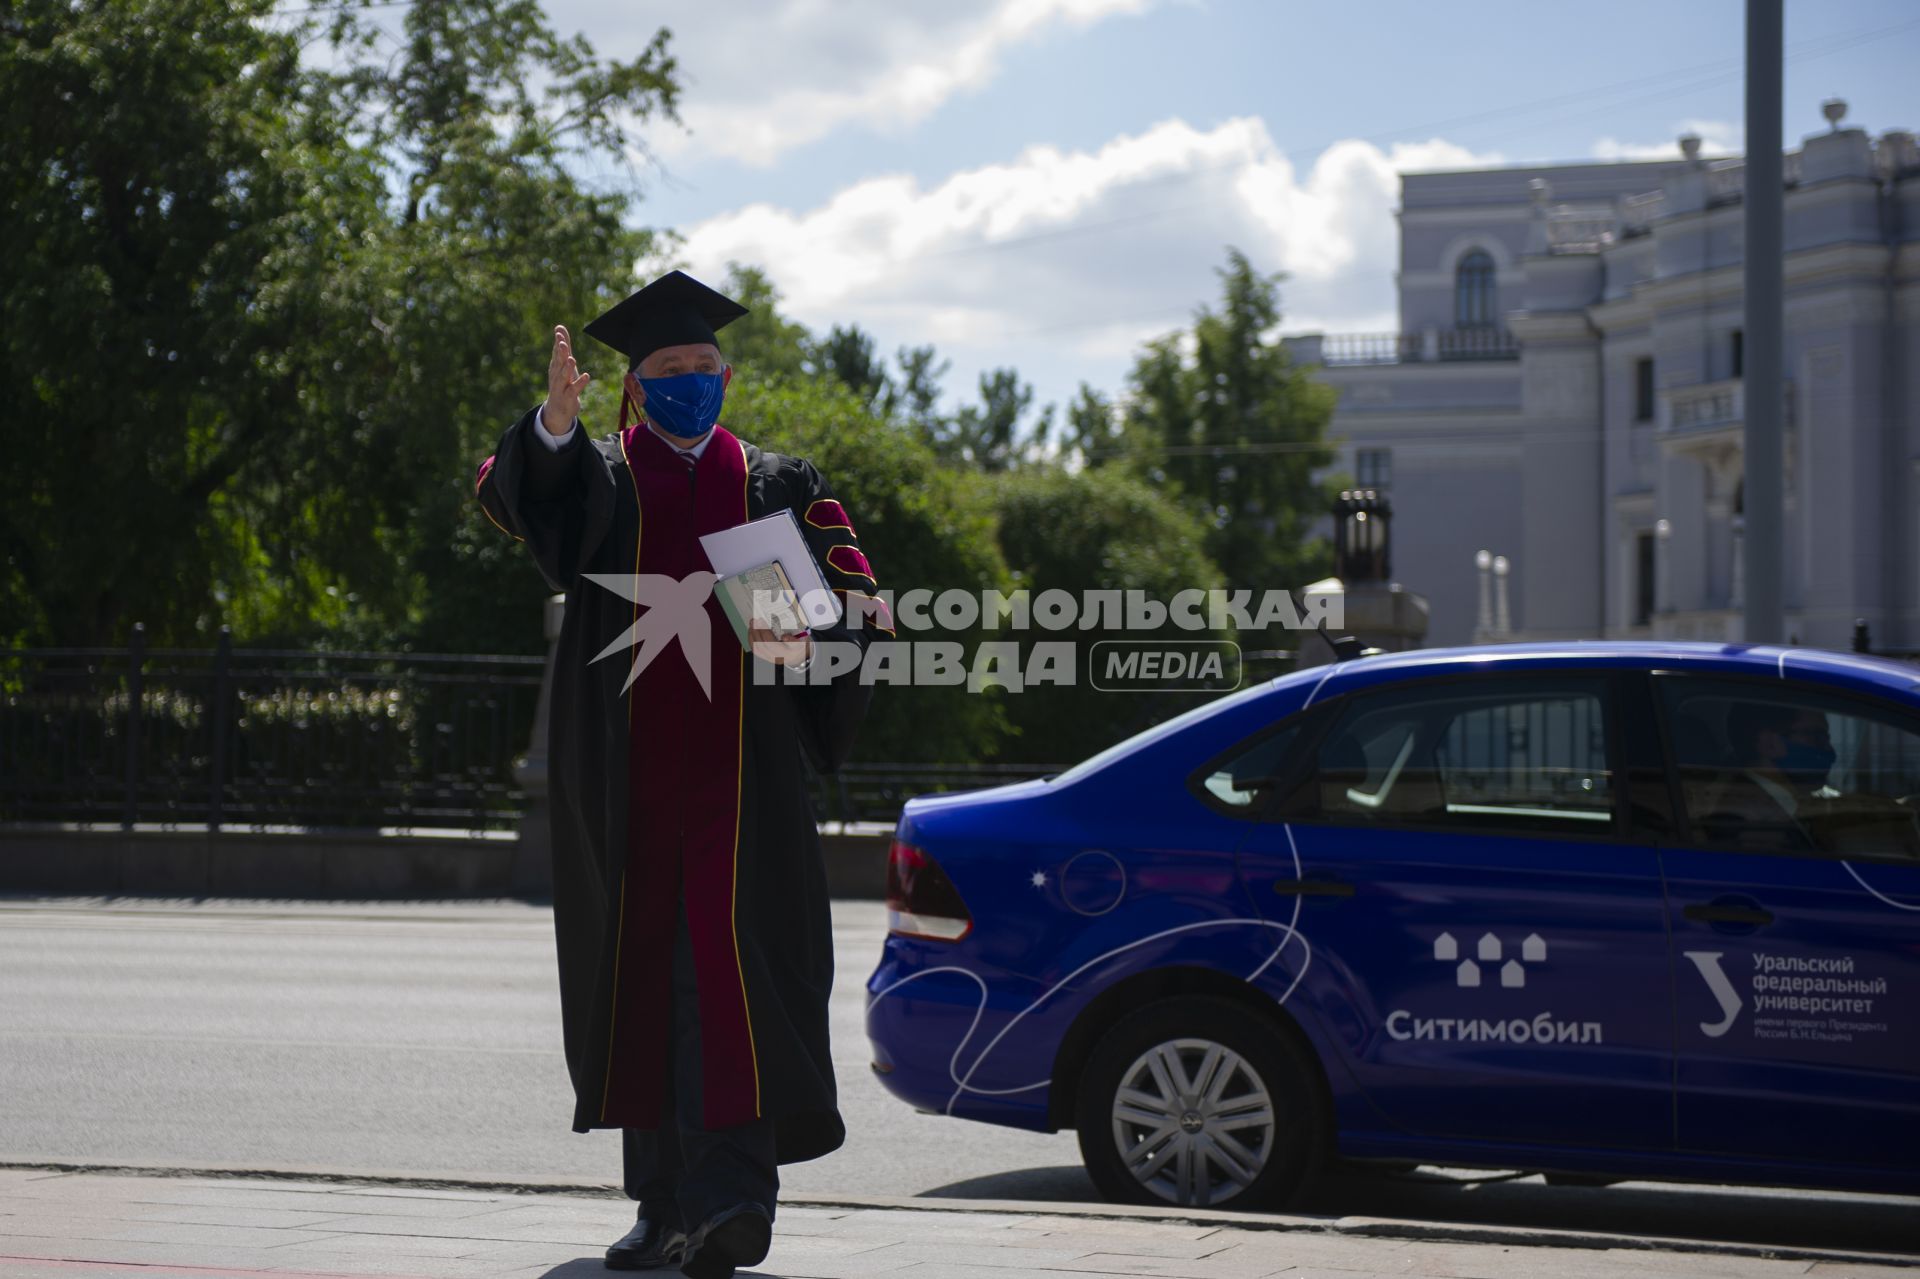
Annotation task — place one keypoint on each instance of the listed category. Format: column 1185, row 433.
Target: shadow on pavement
column 593, row 1266
column 1720, row 1214
column 1068, row 1183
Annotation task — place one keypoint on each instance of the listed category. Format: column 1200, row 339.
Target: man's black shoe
column 736, row 1236
column 643, row 1247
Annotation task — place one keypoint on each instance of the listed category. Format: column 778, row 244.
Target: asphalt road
column 425, row 1039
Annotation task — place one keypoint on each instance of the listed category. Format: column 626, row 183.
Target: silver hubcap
column 1193, row 1122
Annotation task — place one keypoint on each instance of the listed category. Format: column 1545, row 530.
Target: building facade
column 1566, row 392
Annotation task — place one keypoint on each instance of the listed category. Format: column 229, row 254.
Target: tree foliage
column 1093, row 530
column 265, row 313
column 846, row 355
column 913, row 397
column 763, row 343
column 987, row 436
column 1220, row 415
column 1093, row 434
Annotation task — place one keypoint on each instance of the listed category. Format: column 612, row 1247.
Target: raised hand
column 564, row 384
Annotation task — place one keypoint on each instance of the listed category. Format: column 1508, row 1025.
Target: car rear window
column 1500, row 754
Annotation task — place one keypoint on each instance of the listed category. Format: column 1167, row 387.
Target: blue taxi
column 1605, row 909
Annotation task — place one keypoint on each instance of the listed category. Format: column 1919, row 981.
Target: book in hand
column 775, row 540
column 762, row 596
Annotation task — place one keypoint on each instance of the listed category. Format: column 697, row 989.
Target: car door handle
column 1717, row 913
column 1313, row 888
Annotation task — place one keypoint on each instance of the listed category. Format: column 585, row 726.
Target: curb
column 1347, row 1227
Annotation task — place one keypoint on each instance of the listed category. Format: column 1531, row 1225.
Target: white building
column 1566, row 391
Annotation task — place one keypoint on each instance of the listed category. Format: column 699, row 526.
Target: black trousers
column 683, row 1170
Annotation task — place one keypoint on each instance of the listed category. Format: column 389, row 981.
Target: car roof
column 1856, row 670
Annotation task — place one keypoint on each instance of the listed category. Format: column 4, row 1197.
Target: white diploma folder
column 775, row 539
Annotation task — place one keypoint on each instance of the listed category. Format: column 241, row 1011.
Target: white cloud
column 764, row 76
column 760, row 77
column 1717, row 137
column 1067, row 261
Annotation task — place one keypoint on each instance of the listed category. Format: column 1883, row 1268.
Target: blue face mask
column 686, row 405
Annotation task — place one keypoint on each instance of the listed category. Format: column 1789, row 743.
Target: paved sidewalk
column 56, row 1225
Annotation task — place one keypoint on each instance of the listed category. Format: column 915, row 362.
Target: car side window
column 1520, row 755
column 1768, row 767
column 1246, row 780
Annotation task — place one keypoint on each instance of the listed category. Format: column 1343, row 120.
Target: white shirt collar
column 696, row 450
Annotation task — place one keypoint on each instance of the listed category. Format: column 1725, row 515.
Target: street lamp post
column 1483, row 561
column 1764, row 591
column 1502, row 615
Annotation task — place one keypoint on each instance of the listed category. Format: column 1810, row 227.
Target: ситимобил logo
column 1490, row 951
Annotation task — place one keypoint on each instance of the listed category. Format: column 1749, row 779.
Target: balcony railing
column 1638, row 213
column 1704, row 406
column 1727, row 179
column 1712, row 406
column 1571, row 230
column 1725, row 182
column 1435, row 346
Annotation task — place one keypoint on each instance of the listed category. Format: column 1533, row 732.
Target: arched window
column 1473, row 291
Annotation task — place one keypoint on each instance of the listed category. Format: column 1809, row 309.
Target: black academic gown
column 664, row 791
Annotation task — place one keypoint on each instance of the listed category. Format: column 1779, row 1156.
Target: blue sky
column 1047, row 183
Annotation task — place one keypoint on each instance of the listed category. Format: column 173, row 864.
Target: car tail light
column 921, row 900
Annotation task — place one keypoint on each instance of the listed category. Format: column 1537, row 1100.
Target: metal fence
column 290, row 737
column 875, row 792
column 227, row 736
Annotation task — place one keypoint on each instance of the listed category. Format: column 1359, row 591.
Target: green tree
column 263, row 317
column 1221, row 416
column 1093, row 432
column 762, row 342
column 987, row 436
column 912, row 398
column 1094, row 530
column 846, row 355
column 923, row 526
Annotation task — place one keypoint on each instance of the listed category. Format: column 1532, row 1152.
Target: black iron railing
column 231, row 737
column 227, row 736
column 876, row 792
column 1443, row 345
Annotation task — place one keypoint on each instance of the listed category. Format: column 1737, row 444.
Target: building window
column 1643, row 390
column 1738, row 353
column 1642, row 579
column 1373, row 469
column 1473, row 291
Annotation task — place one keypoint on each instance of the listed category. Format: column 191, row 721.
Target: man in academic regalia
column 690, row 902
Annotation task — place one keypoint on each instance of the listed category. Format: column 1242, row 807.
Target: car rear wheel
column 1199, row 1103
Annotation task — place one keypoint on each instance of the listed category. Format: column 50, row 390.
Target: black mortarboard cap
column 674, row 310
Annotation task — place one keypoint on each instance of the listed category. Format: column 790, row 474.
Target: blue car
column 1604, row 910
